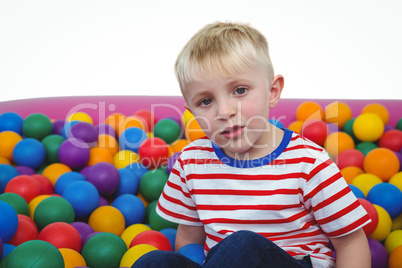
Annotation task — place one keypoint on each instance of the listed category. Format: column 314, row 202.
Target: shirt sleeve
column 328, row 197
column 175, row 204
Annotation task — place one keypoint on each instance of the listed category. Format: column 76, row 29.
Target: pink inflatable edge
column 99, row 107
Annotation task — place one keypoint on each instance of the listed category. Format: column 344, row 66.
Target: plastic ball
column 107, row 219
column 316, row 131
column 158, row 223
column 391, row 139
column 170, row 233
column 37, row 126
column 105, row 177
column 66, row 128
column 382, row 162
column 132, row 231
column 34, row 253
column 74, row 153
column 17, row 202
column 61, row 235
column 348, row 128
column 109, row 143
column 23, row 170
column 338, row 113
column 172, row 161
column 104, row 250
column 384, row 224
column 29, row 152
column 379, row 256
column 356, row 191
column 130, row 122
column 26, row 231
column 45, row 184
column 53, row 209
column 85, row 132
column 66, row 180
column 399, row 124
column 129, row 182
column 387, row 196
column 58, row 126
column 368, row 127
column 393, row 240
column 153, row 152
column 8, row 221
column 308, row 111
column 365, row 182
column 124, row 158
column 8, row 141
column 193, row 130
column 296, row 126
column 106, row 129
column 138, row 169
column 178, row 145
column 168, row 130
column 115, row 120
column 396, row 180
column 35, row 202
column 395, row 258
column 84, row 229
column 377, row 109
column 349, row 173
column 194, row 252
column 153, row 238
column 4, row 160
column 97, row 155
column 80, row 116
column 11, row 122
column 338, row 142
column 350, row 157
column 372, row 213
column 54, row 171
column 83, row 196
column 152, row 183
column 366, row 147
column 72, row 258
column 131, row 139
column 7, row 172
column 276, row 123
column 134, row 253
column 25, row 186
column 149, row 118
column 131, row 207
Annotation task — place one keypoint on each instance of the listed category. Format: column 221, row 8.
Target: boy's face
column 233, row 111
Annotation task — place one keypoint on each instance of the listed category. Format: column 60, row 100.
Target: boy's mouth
column 232, row 132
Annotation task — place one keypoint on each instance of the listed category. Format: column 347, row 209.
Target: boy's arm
column 187, row 234
column 352, row 250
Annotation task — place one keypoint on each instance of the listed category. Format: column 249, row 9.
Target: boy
column 253, row 194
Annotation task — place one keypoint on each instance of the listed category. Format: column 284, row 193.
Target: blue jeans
column 243, row 249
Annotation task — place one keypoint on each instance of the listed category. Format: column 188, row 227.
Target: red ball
column 372, row 212
column 25, row 186
column 153, row 238
column 61, row 235
column 350, row 158
column 149, row 119
column 26, row 231
column 392, row 139
column 45, row 184
column 154, row 153
column 316, row 131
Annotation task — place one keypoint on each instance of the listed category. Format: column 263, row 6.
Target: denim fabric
column 243, row 249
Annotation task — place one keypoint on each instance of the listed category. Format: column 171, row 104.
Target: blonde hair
column 223, row 49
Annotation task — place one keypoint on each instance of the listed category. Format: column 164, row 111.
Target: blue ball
column 83, row 197
column 66, row 180
column 276, row 123
column 8, row 221
column 194, row 252
column 11, row 122
column 138, row 169
column 132, row 208
column 131, row 139
column 7, row 172
column 357, row 192
column 29, row 152
column 170, row 233
column 129, row 182
column 387, row 196
column 7, row 249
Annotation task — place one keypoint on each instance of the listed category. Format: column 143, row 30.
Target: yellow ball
column 397, row 223
column 368, row 127
column 338, row 113
column 384, row 224
column 124, row 158
column 54, row 171
column 80, row 116
column 393, row 240
column 34, row 203
column 365, row 182
column 397, row 180
column 377, row 109
column 72, row 258
column 107, row 219
column 338, row 142
column 134, row 253
column 187, row 115
column 132, row 231
column 8, row 140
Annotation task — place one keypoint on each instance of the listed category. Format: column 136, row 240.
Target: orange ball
column 178, row 145
column 296, row 126
column 4, row 160
column 131, row 121
column 377, row 109
column 395, row 258
column 338, row 142
column 338, row 113
column 54, row 171
column 381, row 162
column 349, row 173
column 309, row 110
column 97, row 155
column 8, row 140
column 115, row 120
column 109, row 143
column 193, row 130
column 72, row 258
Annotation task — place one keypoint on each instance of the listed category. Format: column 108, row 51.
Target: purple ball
column 106, row 129
column 102, row 202
column 58, row 126
column 170, row 163
column 84, row 131
column 83, row 229
column 399, row 155
column 332, row 128
column 74, row 153
column 86, row 238
column 379, row 255
column 105, row 177
column 84, row 171
column 24, row 170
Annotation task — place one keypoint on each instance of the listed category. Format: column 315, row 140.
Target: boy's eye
column 206, row 102
column 240, row 91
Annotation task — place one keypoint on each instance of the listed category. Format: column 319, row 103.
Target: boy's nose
column 227, row 110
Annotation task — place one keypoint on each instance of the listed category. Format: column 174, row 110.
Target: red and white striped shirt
column 294, row 196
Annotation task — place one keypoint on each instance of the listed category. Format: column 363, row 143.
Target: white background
column 344, row 49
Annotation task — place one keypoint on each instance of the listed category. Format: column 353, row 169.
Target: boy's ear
column 276, row 90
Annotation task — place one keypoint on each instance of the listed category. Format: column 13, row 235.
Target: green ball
column 17, row 202
column 168, row 130
column 348, row 128
column 399, row 124
column 158, row 223
column 151, row 206
column 52, row 144
column 34, row 254
column 366, row 147
column 152, row 183
column 53, row 209
column 37, row 126
column 104, row 250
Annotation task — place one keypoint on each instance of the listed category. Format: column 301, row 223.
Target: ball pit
column 50, row 138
